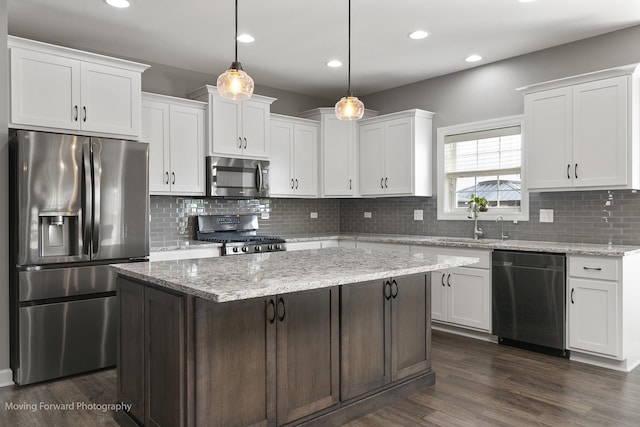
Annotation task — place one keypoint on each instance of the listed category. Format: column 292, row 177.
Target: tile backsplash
column 578, row 217
column 173, row 218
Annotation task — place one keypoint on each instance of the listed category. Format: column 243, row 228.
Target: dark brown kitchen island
column 314, row 337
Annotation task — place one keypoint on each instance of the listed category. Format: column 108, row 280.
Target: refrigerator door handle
column 88, row 204
column 95, row 175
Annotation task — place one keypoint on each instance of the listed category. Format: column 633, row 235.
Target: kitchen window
column 482, row 159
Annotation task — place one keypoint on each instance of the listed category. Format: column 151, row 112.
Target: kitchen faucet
column 502, row 235
column 473, row 214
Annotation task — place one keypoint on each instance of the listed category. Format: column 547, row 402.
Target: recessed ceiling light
column 334, row 63
column 473, row 58
column 246, row 38
column 118, row 3
column 418, row 35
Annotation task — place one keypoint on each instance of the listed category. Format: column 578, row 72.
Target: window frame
column 444, row 211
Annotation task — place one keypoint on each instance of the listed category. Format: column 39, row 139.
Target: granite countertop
column 235, row 278
column 463, row 242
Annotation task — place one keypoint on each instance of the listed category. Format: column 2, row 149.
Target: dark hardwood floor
column 477, row 384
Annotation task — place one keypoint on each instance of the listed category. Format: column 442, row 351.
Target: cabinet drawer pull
column 284, row 311
column 572, row 289
column 593, row 268
column 394, row 284
column 272, row 306
column 387, row 290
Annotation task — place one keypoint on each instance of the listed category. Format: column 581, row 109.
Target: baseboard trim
column 6, row 378
column 470, row 333
column 627, row 365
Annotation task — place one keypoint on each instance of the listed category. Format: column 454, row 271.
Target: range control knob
column 235, row 249
column 278, row 247
column 258, row 248
column 270, row 247
column 244, row 249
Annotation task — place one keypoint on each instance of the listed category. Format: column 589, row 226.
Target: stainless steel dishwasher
column 529, row 300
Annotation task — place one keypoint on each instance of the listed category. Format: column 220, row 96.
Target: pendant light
column 235, row 83
column 349, row 107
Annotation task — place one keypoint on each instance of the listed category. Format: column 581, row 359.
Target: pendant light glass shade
column 235, row 83
column 349, row 107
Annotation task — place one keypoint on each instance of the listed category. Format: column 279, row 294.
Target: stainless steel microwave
column 229, row 177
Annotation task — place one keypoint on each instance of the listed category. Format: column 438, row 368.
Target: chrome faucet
column 502, row 235
column 473, row 214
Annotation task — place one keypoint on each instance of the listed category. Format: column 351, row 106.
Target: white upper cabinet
column 56, row 88
column 395, row 154
column 338, row 152
column 294, row 157
column 581, row 133
column 237, row 129
column 175, row 131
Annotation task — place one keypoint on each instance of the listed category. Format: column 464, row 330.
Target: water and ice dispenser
column 58, row 234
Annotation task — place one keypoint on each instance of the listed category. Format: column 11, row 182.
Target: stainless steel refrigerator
column 77, row 204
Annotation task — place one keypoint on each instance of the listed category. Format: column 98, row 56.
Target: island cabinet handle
column 394, row 294
column 284, row 311
column 387, row 287
column 272, row 310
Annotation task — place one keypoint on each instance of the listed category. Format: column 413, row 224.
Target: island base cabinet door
column 411, row 325
column 165, row 382
column 365, row 337
column 130, row 343
column 307, row 353
column 235, row 363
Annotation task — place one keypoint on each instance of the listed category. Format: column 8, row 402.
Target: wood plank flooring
column 477, row 384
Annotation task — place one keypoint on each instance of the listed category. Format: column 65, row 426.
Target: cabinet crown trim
column 318, row 112
column 148, row 96
column 210, row 89
column 623, row 70
column 400, row 114
column 80, row 55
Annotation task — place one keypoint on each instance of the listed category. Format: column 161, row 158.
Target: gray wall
column 488, row 92
column 4, row 195
column 173, row 81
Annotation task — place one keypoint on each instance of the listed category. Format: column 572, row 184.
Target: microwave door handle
column 88, row 202
column 95, row 175
column 259, row 177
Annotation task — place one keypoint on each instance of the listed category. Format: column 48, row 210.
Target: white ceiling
column 294, row 38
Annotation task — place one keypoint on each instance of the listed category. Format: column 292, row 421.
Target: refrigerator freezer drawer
column 66, row 338
column 65, row 282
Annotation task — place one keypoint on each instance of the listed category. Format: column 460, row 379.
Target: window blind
column 482, row 151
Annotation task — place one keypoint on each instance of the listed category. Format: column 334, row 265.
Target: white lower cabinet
column 461, row 296
column 604, row 320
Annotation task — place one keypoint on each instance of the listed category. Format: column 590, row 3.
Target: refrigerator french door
column 77, row 204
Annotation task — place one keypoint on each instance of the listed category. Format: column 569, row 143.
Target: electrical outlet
column 418, row 215
column 367, row 214
column 546, row 215
column 264, row 215
column 314, row 215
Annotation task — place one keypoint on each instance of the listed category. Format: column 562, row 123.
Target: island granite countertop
column 466, row 242
column 241, row 277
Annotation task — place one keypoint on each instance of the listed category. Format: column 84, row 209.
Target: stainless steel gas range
column 238, row 234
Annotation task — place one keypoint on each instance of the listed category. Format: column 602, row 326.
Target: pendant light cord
column 236, row 38
column 349, row 54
